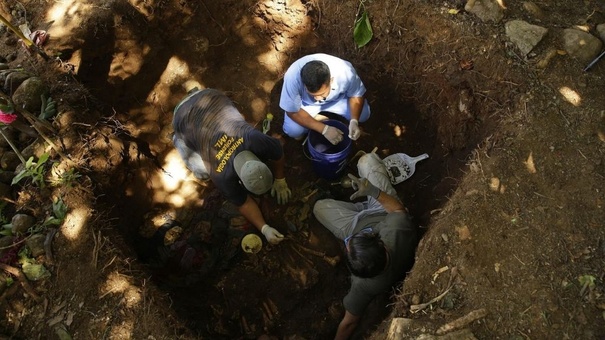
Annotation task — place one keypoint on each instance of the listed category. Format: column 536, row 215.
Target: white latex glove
column 354, row 131
column 363, row 187
column 272, row 235
column 332, row 134
column 280, row 187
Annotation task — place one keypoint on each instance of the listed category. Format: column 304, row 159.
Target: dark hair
column 315, row 74
column 366, row 255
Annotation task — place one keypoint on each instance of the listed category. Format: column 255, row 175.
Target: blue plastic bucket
column 329, row 161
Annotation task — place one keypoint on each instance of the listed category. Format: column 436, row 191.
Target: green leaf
column 59, row 209
column 43, row 158
column 21, row 175
column 52, row 221
column 29, row 162
column 587, row 280
column 362, row 32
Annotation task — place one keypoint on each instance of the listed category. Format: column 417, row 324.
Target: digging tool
column 26, row 40
column 592, row 63
column 344, row 182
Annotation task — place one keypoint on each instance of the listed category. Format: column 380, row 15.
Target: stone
column 29, row 95
column 35, row 149
column 601, row 31
column 36, row 244
column 6, row 177
column 21, row 223
column 581, row 45
column 9, row 161
column 524, row 35
column 6, row 243
column 6, row 191
column 13, row 80
column 533, row 9
column 486, row 10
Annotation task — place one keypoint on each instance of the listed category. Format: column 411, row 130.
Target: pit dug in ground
column 222, row 289
column 511, row 194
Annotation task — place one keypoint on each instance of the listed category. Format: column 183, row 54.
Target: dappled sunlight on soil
column 510, row 200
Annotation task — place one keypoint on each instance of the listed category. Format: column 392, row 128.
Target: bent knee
column 321, row 206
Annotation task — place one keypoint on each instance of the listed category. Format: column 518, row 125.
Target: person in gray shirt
column 379, row 236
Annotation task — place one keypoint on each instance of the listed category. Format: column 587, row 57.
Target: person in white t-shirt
column 321, row 82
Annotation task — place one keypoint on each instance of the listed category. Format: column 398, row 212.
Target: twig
column 463, row 321
column 538, row 194
column 13, row 147
column 16, row 243
column 48, row 246
column 97, row 247
column 419, row 307
column 211, row 17
column 33, row 122
column 22, row 279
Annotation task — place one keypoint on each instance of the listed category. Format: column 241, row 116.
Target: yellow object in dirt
column 252, row 244
column 267, row 123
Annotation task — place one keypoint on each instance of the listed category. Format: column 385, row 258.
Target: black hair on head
column 366, row 255
column 315, row 74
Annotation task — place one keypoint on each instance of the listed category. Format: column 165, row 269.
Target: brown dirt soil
column 511, row 198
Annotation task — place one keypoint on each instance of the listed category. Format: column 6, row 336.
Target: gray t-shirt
column 400, row 237
column 209, row 131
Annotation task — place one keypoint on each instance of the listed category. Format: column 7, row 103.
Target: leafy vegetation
column 362, row 31
column 33, row 170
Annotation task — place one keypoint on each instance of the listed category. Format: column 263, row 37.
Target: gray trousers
column 341, row 217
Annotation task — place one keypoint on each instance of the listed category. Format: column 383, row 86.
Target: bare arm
column 278, row 165
column 303, row 118
column 390, row 203
column 365, row 188
column 347, row 326
column 355, row 106
column 252, row 213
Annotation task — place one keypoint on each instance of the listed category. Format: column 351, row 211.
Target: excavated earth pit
column 440, row 82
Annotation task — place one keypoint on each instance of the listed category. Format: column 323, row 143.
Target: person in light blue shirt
column 321, row 82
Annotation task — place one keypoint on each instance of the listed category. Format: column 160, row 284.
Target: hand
column 272, row 235
column 281, row 188
column 354, row 131
column 332, row 134
column 363, row 187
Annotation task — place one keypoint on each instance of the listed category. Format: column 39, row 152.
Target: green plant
column 65, row 178
column 48, row 108
column 362, row 31
column 33, row 170
column 7, row 230
column 587, row 282
column 59, row 213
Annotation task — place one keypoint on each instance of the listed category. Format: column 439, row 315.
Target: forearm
column 303, row 118
column 344, row 331
column 346, row 326
column 355, row 107
column 390, row 203
column 251, row 211
column 278, row 167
